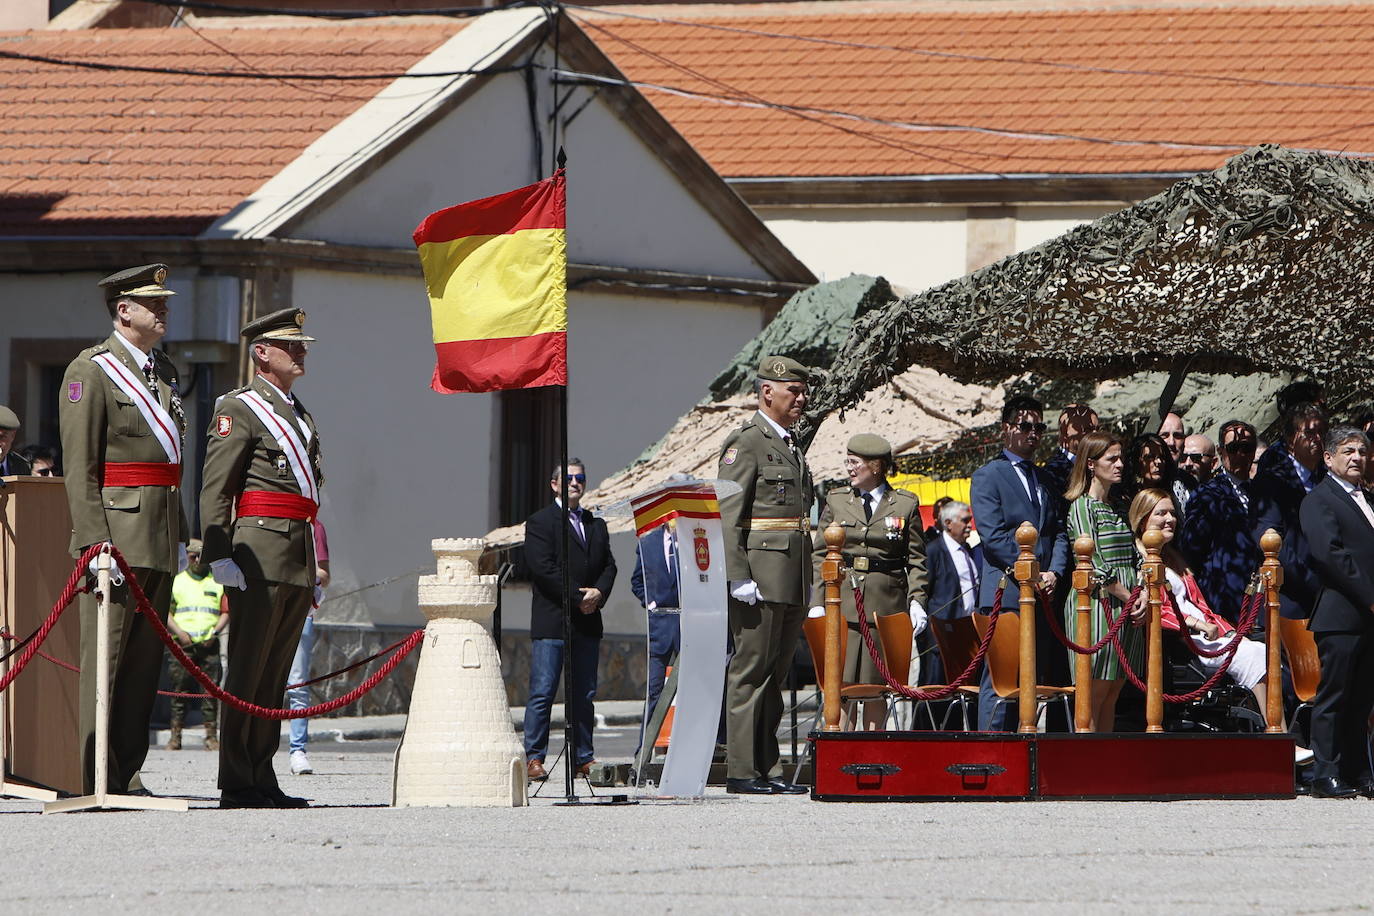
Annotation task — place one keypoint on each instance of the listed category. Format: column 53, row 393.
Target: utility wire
column 210, row 6
column 977, row 58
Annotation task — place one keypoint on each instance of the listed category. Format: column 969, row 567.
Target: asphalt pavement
column 353, row 853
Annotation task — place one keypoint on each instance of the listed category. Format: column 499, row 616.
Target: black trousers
column 1340, row 711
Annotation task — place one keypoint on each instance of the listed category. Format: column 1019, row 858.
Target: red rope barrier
column 911, row 692
column 1069, row 644
column 145, row 608
column 68, row 593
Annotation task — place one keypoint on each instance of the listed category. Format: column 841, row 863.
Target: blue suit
column 945, row 600
column 655, row 581
column 1000, row 505
column 1277, row 494
column 1217, row 538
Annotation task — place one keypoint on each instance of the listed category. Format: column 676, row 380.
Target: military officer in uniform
column 768, row 563
column 883, row 548
column 258, row 501
column 122, row 430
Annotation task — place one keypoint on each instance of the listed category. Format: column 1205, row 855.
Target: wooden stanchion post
column 834, row 620
column 1153, row 574
column 1083, row 664
column 1271, row 575
column 1028, row 575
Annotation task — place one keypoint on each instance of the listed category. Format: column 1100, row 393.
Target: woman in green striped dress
column 1096, row 469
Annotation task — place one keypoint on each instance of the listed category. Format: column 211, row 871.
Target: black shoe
column 783, row 787
column 140, row 792
column 244, row 798
column 280, row 799
column 1366, row 789
column 748, row 787
column 1331, row 787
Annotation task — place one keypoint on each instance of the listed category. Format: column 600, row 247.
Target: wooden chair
column 895, row 633
column 957, row 641
column 850, row 693
column 1004, row 664
column 1303, row 663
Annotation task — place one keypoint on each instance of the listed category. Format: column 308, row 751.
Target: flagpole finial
column 562, row 159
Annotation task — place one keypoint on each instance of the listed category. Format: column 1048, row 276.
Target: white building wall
column 404, row 464
column 1037, row 224
column 625, row 206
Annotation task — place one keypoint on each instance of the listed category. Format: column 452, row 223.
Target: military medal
column 282, row 469
column 894, row 525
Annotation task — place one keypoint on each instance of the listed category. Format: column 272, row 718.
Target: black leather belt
column 874, row 564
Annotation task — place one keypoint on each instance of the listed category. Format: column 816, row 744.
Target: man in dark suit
column 1217, row 536
column 654, row 583
column 1006, row 492
column 1288, row 471
column 1075, row 422
column 953, row 570
column 12, row 464
column 1339, row 521
column 592, row 571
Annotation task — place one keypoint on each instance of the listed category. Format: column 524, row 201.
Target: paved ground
column 354, row 854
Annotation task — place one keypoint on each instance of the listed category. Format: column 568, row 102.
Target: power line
column 251, row 74
column 210, row 6
column 977, row 58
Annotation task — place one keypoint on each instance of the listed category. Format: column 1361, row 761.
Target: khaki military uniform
column 887, row 556
column 101, row 425
column 766, row 539
column 277, row 557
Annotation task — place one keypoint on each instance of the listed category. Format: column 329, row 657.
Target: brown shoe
column 534, row 769
column 585, row 770
column 211, row 739
column 174, row 740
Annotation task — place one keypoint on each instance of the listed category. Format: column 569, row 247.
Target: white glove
column 816, row 611
column 746, row 590
column 319, row 597
column 116, row 574
column 182, row 560
column 919, row 619
column 228, row 574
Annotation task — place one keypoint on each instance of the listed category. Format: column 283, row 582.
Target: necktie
column 1239, row 488
column 791, row 448
column 868, row 507
column 150, row 376
column 575, row 517
column 972, row 572
column 1363, row 503
column 1026, row 471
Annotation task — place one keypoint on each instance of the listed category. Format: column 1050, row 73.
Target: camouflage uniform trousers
column 206, row 655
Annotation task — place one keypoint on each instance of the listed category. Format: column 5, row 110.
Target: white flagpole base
column 33, row 793
column 115, row 803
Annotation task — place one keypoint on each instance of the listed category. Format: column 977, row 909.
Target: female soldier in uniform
column 884, row 549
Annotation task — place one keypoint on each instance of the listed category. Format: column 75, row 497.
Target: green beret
column 8, row 418
column 145, row 281
column 287, row 324
column 869, row 445
column 782, row 369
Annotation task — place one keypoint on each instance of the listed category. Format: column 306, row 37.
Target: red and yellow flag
column 653, row 509
column 497, row 274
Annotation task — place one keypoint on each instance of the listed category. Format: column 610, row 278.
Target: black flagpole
column 569, row 748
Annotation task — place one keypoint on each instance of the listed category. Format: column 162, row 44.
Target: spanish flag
column 692, row 501
column 497, row 274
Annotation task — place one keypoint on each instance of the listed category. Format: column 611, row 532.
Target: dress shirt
column 873, row 497
column 575, row 516
column 968, row 576
column 1017, row 461
column 1359, row 496
column 1238, row 487
column 140, row 357
column 783, row 433
column 287, row 397
column 1304, row 474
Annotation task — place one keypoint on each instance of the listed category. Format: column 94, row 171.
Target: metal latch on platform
column 975, row 769
column 871, row 769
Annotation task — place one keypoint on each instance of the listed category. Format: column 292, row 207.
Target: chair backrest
column 814, row 629
column 1303, row 662
column 1004, row 654
column 894, row 636
column 957, row 641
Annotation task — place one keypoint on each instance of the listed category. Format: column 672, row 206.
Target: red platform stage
column 974, row 766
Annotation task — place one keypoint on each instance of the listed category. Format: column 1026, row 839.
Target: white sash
column 290, row 442
column 164, row 428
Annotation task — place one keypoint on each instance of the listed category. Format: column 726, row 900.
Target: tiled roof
column 1141, row 85
column 87, row 151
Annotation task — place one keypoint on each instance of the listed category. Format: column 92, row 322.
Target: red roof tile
column 910, row 88
column 85, row 151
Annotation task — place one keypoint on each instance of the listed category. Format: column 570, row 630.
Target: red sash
column 141, row 474
column 269, row 504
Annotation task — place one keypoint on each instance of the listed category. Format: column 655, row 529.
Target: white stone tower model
column 459, row 748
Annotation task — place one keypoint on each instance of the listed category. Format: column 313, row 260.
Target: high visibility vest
column 195, row 605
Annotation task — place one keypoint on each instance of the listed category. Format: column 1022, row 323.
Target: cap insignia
column 160, row 275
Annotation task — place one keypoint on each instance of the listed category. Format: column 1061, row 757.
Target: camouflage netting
column 1263, row 265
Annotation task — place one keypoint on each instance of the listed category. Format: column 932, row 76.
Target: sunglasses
column 45, row 472
column 1194, row 456
column 577, row 478
column 1027, row 427
column 1236, row 448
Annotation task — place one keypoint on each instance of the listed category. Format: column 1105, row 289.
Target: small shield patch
column 73, row 391
column 223, row 425
column 730, row 455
